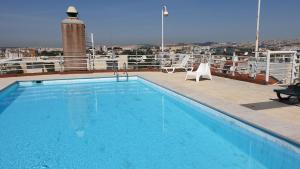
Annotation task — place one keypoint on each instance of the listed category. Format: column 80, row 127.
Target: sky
column 36, row 23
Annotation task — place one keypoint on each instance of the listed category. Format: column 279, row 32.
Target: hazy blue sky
column 37, row 22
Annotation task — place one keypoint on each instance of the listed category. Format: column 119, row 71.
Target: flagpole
column 257, row 37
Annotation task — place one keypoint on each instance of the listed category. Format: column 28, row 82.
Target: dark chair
column 290, row 91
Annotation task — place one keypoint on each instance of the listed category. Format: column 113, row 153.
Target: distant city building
column 17, row 53
column 290, row 48
column 118, row 50
column 104, row 48
column 188, row 48
column 201, row 49
column 130, row 47
column 11, row 53
column 32, row 52
column 174, row 48
column 2, row 54
column 74, row 44
column 49, row 49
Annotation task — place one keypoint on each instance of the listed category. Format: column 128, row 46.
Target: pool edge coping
column 71, row 78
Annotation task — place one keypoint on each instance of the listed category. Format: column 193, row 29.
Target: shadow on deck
column 272, row 104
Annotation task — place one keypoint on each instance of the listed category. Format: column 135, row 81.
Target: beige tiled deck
column 247, row 101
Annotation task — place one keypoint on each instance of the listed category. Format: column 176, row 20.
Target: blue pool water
column 103, row 124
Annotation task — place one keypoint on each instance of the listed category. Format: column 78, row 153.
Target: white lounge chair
column 173, row 67
column 202, row 71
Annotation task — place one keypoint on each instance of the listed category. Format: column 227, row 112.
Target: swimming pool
column 103, row 124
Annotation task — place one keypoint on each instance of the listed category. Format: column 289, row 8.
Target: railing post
column 94, row 62
column 89, row 62
column 294, row 68
column 193, row 57
column 268, row 66
column 233, row 64
column 136, row 61
column 61, row 63
column 114, row 68
column 210, row 58
column 1, row 70
column 298, row 65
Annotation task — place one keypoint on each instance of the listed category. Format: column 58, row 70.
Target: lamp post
column 164, row 13
column 257, row 37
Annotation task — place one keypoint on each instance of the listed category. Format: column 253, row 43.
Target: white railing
column 226, row 64
column 29, row 66
column 98, row 63
column 282, row 65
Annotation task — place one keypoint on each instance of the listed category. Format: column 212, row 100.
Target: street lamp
column 257, row 37
column 164, row 13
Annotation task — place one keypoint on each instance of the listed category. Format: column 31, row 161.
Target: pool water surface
column 104, row 124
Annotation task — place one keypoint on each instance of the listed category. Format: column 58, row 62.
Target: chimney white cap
column 72, row 9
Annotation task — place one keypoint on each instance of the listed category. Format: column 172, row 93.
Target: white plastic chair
column 203, row 71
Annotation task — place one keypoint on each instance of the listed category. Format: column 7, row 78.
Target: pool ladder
column 116, row 72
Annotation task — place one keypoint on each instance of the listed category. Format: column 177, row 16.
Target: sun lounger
column 173, row 67
column 290, row 91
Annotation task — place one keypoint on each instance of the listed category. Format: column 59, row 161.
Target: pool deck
column 250, row 102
